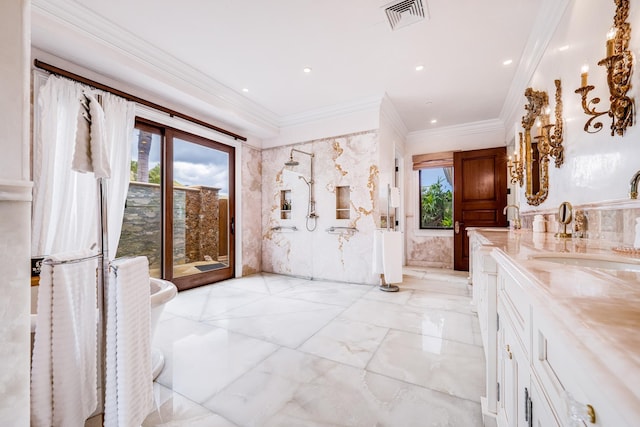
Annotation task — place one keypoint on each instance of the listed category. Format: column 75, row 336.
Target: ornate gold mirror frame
column 535, row 157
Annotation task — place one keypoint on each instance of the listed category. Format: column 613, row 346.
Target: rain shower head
column 291, row 162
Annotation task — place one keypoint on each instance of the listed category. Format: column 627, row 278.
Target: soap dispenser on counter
column 539, row 224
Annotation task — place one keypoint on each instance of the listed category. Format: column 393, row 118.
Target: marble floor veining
column 272, row 350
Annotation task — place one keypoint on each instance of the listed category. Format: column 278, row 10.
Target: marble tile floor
column 272, row 350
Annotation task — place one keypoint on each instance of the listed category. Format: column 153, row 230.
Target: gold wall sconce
column 515, row 166
column 619, row 65
column 535, row 158
column 550, row 143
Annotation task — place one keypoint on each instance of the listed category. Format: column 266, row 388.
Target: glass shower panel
column 200, row 208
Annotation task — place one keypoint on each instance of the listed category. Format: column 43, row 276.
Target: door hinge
column 498, row 391
column 497, row 322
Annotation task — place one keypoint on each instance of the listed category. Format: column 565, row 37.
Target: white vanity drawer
column 561, row 375
column 516, row 304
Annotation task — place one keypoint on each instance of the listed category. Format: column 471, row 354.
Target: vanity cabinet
column 483, row 271
column 539, row 371
column 521, row 402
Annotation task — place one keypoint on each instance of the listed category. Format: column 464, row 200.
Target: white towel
column 394, row 197
column 64, row 366
column 378, row 267
column 392, row 256
column 99, row 157
column 90, row 154
column 81, row 161
column 129, row 380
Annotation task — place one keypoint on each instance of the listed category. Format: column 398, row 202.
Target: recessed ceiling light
column 419, row 67
column 434, row 121
column 563, row 48
column 244, row 89
column 307, row 69
column 508, row 62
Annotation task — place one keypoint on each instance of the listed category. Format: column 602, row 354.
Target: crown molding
column 388, row 110
column 332, row 111
column 78, row 18
column 547, row 21
column 466, row 129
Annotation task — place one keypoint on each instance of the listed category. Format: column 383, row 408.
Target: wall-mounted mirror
column 535, row 156
column 542, row 141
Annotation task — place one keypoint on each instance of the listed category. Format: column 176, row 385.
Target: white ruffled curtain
column 119, row 120
column 65, row 202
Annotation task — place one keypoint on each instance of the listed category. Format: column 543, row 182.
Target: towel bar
column 284, row 227
column 341, row 230
column 49, row 261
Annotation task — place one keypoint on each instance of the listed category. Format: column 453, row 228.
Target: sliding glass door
column 180, row 207
column 201, row 197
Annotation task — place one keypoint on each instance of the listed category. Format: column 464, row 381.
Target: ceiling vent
column 404, row 12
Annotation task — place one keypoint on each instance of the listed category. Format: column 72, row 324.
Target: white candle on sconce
column 584, row 74
column 611, row 35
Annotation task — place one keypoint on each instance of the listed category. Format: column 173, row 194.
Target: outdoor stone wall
column 202, row 223
column 195, row 224
column 141, row 225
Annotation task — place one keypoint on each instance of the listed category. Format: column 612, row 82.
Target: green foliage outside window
column 154, row 174
column 436, row 207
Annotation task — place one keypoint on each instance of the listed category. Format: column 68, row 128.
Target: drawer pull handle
column 577, row 411
column 507, row 351
column 591, row 413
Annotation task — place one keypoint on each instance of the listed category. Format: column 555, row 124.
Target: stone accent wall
column 251, row 210
column 195, row 224
column 611, row 221
column 428, row 251
column 142, row 224
column 202, row 223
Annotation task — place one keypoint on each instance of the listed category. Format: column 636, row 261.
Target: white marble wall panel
column 14, row 310
column 341, row 161
column 15, row 212
column 251, row 208
column 429, row 251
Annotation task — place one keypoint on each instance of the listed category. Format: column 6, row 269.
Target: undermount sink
column 592, row 261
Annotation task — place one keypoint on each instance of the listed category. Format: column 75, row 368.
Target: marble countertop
column 597, row 309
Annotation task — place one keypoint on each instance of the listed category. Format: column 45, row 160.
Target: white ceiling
column 219, row 47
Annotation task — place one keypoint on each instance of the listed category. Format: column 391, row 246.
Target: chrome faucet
column 516, row 220
column 633, row 192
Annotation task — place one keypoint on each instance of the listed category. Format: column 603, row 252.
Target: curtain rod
column 64, row 73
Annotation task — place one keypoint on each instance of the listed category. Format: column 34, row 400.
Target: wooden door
column 479, row 196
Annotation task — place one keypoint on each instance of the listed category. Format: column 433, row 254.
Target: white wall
column 15, row 213
column 597, row 167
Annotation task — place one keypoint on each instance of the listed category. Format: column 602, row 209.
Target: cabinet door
column 513, row 377
column 540, row 410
